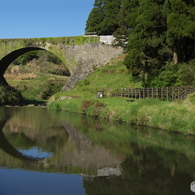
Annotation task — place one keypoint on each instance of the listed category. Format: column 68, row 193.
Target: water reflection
column 112, row 158
column 15, row 142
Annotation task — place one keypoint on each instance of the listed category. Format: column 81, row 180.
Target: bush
column 190, row 98
column 9, row 96
column 50, row 89
column 96, row 106
column 63, row 71
column 175, row 75
column 84, row 83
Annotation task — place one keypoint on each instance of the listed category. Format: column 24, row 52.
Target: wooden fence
column 164, row 93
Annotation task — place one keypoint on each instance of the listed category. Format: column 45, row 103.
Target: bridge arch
column 10, row 57
column 79, row 54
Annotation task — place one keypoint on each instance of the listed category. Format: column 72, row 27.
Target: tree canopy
column 154, row 33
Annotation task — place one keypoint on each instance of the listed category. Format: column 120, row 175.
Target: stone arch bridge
column 79, row 54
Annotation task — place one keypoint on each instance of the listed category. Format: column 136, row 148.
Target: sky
column 43, row 18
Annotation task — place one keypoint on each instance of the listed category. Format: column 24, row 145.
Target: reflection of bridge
column 79, row 54
column 9, row 149
column 78, row 152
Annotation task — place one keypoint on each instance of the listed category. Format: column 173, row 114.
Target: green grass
column 32, row 89
column 78, row 40
column 171, row 116
column 108, row 78
column 176, row 116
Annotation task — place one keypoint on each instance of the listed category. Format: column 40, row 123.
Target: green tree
column 39, row 55
column 103, row 18
column 95, row 18
column 23, row 59
column 127, row 15
column 111, row 20
column 146, row 46
column 180, row 35
column 162, row 31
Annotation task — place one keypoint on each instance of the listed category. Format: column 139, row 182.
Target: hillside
column 112, row 76
column 174, row 116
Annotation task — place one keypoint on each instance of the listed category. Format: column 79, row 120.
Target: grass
column 32, row 84
column 172, row 116
column 178, row 116
column 106, row 78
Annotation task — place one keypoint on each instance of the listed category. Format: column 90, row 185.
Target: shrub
column 50, row 89
column 84, row 83
column 60, row 71
column 96, row 106
column 190, row 98
column 175, row 75
column 10, row 96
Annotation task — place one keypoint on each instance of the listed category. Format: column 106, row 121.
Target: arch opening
column 59, row 73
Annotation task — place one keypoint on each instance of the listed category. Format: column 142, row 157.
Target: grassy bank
column 176, row 116
column 172, row 116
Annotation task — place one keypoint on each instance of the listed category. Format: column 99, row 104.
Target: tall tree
column 111, row 19
column 95, row 18
column 127, row 15
column 180, row 34
column 146, row 45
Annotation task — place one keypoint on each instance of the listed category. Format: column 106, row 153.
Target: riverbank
column 178, row 116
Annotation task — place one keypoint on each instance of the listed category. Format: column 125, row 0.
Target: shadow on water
column 113, row 158
column 35, row 102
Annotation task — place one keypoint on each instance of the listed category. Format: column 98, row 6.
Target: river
column 46, row 152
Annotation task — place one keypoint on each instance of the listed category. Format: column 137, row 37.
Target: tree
column 146, row 46
column 127, row 15
column 95, row 18
column 103, row 18
column 111, row 20
column 180, row 35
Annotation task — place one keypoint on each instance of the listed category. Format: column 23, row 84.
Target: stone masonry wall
column 79, row 58
column 87, row 57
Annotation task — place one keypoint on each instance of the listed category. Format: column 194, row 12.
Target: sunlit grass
column 176, row 116
column 172, row 116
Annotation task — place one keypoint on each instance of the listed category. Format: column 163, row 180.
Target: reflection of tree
column 144, row 172
column 9, row 149
column 87, row 146
column 105, row 186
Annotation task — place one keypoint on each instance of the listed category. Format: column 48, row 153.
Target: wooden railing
column 164, row 93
